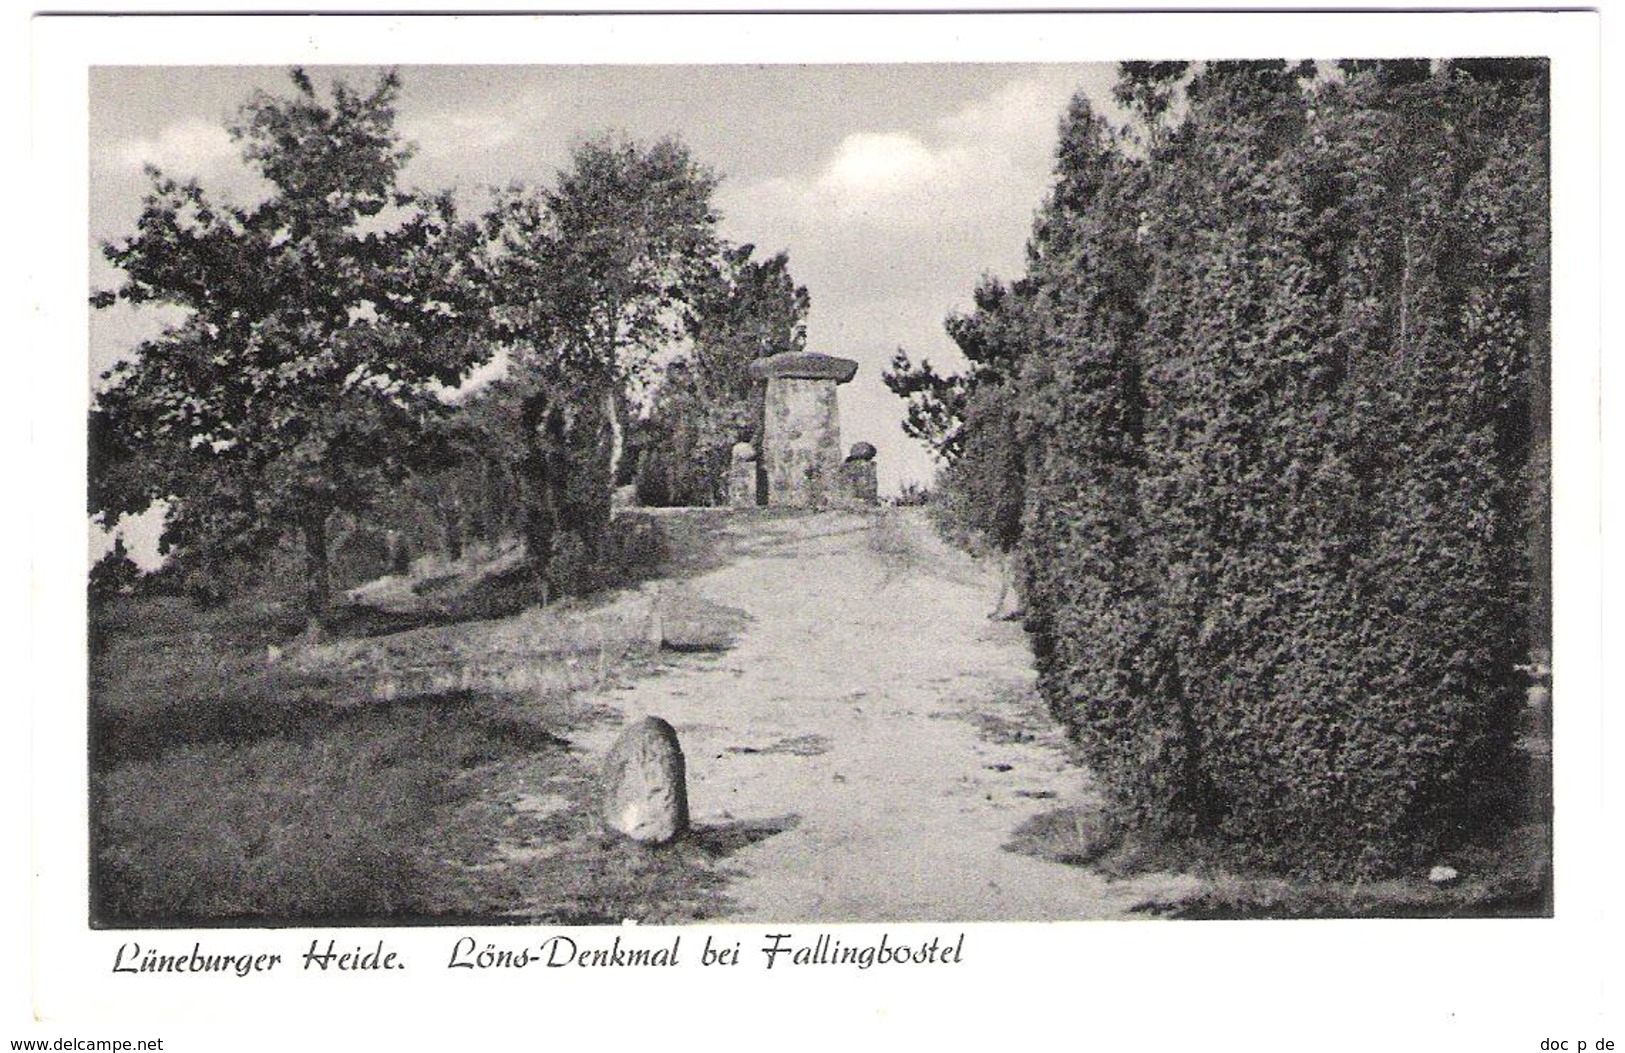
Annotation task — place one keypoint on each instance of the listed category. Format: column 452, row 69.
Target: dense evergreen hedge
column 1282, row 402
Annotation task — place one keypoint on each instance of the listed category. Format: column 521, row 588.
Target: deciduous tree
column 744, row 310
column 588, row 282
column 317, row 326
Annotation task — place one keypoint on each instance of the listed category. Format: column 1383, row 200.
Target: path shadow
column 1071, row 836
column 795, row 746
column 241, row 719
column 720, row 840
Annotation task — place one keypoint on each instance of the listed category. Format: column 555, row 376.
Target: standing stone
column 645, row 783
column 742, row 476
column 858, row 479
column 802, row 426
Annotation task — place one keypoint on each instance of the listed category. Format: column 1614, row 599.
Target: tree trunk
column 318, row 576
column 617, row 434
column 1196, row 795
column 1009, row 590
column 538, row 515
column 451, row 519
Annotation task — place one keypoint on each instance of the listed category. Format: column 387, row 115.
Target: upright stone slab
column 742, row 476
column 858, row 479
column 802, row 427
column 645, row 783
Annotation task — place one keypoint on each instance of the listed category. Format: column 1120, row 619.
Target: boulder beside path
column 645, row 783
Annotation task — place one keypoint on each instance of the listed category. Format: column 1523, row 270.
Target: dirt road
column 875, row 729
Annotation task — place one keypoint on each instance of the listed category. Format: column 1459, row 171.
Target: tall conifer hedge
column 1284, row 412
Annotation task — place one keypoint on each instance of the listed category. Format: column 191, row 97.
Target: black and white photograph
column 536, row 510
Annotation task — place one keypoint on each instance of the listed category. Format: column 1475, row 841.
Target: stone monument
column 742, row 476
column 645, row 783
column 801, row 448
column 858, row 479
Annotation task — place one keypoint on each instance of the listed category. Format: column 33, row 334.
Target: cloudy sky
column 892, row 187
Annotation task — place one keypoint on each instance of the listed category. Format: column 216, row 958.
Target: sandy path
column 862, row 712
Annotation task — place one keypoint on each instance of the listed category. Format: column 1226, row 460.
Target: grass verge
column 384, row 777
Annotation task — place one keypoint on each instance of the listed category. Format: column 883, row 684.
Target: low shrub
column 912, row 495
column 635, row 547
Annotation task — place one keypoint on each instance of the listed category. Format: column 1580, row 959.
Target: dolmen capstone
column 801, row 440
column 645, row 783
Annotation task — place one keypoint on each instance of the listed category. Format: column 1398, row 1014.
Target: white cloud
column 1020, row 113
column 878, row 163
column 194, row 148
column 456, row 132
column 891, row 229
column 983, row 166
column 893, row 217
column 191, row 147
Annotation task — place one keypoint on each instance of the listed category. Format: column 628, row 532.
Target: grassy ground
column 421, row 764
column 1507, row 878
column 1508, row 875
column 387, row 774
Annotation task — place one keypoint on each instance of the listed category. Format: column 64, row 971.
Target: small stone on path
column 645, row 783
